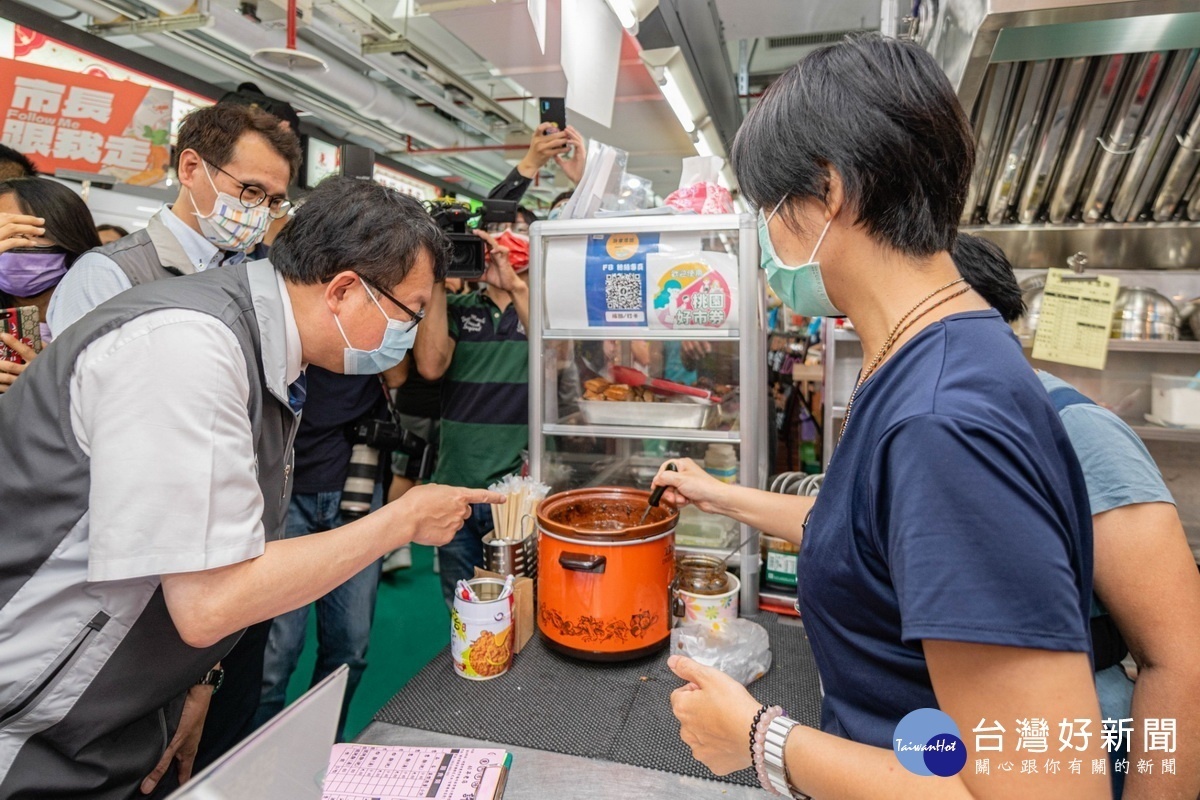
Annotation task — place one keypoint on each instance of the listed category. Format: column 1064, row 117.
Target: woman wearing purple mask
column 44, row 227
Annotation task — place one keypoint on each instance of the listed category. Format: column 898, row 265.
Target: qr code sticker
column 623, row 291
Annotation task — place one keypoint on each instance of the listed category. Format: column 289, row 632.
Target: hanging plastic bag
column 698, row 190
column 741, row 649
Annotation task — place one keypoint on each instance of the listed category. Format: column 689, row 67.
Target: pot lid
column 604, row 513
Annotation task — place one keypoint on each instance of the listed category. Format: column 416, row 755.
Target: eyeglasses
column 417, row 316
column 253, row 196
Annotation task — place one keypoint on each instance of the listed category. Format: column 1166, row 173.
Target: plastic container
column 1175, row 400
column 698, row 529
column 721, row 461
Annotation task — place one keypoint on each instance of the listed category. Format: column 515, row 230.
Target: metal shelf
column 778, row 602
column 636, row 432
column 1157, row 433
column 1139, row 346
column 837, row 412
column 607, row 334
column 845, row 335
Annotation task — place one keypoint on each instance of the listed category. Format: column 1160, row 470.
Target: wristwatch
column 214, row 678
column 773, row 757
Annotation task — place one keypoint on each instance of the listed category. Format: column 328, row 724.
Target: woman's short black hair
column 117, row 229
column 351, row 224
column 883, row 114
column 68, row 221
column 989, row 272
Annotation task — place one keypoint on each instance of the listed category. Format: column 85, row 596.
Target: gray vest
column 92, row 676
column 149, row 254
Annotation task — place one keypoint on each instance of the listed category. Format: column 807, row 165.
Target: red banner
column 69, row 121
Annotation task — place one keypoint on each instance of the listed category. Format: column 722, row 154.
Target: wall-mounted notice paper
column 1076, row 318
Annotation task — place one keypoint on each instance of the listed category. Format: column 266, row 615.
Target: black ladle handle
column 656, row 495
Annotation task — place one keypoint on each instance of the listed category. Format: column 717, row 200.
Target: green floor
column 411, row 626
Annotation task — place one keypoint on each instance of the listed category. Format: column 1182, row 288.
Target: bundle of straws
column 509, row 520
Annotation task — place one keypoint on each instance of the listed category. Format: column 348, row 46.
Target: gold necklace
column 903, row 325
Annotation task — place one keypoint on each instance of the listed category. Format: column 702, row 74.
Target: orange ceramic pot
column 604, row 581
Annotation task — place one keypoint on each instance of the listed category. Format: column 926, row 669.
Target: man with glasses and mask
column 149, row 450
column 234, row 164
column 337, row 405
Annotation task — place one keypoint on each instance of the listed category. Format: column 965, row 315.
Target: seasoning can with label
column 481, row 630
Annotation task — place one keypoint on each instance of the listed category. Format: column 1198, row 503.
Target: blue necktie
column 297, row 392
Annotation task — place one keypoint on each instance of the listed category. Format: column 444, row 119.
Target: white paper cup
column 715, row 611
column 481, row 633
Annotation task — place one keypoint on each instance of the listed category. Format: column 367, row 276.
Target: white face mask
column 230, row 225
column 391, row 350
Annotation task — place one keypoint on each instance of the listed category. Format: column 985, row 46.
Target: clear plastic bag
column 741, row 650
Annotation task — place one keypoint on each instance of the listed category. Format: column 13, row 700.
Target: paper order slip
column 374, row 772
column 1075, row 320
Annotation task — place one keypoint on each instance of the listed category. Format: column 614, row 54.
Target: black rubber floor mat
column 616, row 712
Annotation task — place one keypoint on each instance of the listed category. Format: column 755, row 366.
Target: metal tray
column 1123, row 137
column 1061, row 115
column 1096, row 104
column 1177, row 95
column 1031, row 101
column 696, row 416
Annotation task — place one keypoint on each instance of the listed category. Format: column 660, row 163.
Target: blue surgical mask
column 799, row 287
column 391, row 351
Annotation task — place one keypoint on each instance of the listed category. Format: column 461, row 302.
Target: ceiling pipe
column 330, row 34
column 358, row 92
column 361, row 95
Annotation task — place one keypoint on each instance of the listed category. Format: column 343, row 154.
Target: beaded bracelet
column 754, row 728
column 763, row 721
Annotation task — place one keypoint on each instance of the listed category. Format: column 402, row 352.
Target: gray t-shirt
column 1117, row 467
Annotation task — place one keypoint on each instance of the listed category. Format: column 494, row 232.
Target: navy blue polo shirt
column 322, row 448
column 954, row 509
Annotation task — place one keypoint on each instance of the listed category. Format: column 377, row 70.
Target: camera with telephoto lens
column 468, row 258
column 369, row 437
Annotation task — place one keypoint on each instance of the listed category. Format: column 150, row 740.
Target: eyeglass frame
column 284, row 203
column 417, row 316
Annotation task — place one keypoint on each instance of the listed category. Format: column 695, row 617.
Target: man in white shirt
column 149, row 451
column 234, row 165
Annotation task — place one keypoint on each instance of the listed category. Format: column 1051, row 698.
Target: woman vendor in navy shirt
column 947, row 562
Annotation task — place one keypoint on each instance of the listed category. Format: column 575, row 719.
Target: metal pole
column 537, row 310
column 752, row 419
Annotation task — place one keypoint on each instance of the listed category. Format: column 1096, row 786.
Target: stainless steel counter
column 537, row 774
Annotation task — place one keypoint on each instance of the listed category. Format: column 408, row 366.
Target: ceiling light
column 670, row 90
column 707, row 141
column 626, row 14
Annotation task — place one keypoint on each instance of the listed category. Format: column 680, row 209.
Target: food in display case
column 599, row 390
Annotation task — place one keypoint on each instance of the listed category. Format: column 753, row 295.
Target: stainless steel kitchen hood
column 1086, row 112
